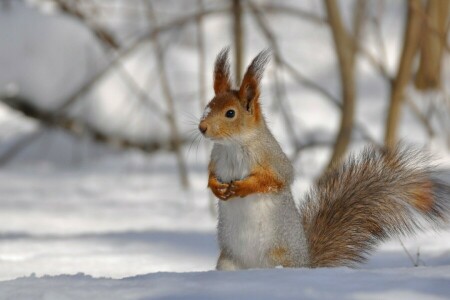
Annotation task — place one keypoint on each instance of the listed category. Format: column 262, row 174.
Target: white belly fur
column 245, row 226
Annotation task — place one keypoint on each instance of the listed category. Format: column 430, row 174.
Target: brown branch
column 238, row 35
column 432, row 45
column 101, row 33
column 280, row 94
column 421, row 117
column 202, row 87
column 19, row 145
column 201, row 58
column 167, row 93
column 299, row 77
column 292, row 11
column 115, row 63
column 308, row 83
column 381, row 64
column 410, row 46
column 430, row 22
column 79, row 128
column 123, row 53
column 320, row 20
column 345, row 50
column 383, row 71
column 108, row 40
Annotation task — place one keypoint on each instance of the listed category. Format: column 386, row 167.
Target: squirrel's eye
column 230, row 114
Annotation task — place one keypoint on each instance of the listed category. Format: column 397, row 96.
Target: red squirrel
column 371, row 197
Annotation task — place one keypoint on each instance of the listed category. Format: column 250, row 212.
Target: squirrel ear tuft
column 222, row 82
column 249, row 90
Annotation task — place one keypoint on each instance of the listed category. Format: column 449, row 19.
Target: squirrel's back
column 371, row 197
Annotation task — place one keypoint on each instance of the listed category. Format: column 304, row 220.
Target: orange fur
column 423, row 197
column 219, row 189
column 249, row 95
column 220, row 127
column 244, row 101
column 222, row 81
column 260, row 181
column 279, row 256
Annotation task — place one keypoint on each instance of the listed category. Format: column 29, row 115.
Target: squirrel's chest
column 231, row 163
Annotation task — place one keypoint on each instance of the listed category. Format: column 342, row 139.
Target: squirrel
column 382, row 193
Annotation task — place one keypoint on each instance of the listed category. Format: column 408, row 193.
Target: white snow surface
column 82, row 222
column 419, row 283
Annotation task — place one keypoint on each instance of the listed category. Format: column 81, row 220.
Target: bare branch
column 346, row 56
column 238, row 33
column 123, row 53
column 101, row 33
column 292, row 11
column 421, row 117
column 167, row 93
column 299, row 77
column 410, row 46
column 201, row 58
column 432, row 45
column 19, row 145
column 80, row 128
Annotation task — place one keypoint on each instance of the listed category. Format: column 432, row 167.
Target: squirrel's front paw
column 220, row 190
column 238, row 189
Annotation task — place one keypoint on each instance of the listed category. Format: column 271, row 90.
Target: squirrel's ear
column 222, row 82
column 249, row 90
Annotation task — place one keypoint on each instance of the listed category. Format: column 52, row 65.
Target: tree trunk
column 345, row 53
column 432, row 45
column 410, row 46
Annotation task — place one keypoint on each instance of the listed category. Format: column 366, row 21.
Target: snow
column 87, row 221
column 342, row 283
column 66, row 221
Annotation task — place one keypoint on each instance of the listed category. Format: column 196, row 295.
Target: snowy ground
column 114, row 221
column 419, row 283
column 104, row 221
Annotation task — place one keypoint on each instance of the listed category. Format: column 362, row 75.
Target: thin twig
column 20, row 144
column 293, row 11
column 80, row 128
column 201, row 58
column 238, row 36
column 299, row 77
column 421, row 117
column 167, row 93
column 116, row 62
column 101, row 33
column 415, row 263
column 123, row 53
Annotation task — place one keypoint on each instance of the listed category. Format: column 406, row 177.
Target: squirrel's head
column 233, row 113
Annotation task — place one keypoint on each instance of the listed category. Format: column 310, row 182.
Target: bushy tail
column 372, row 197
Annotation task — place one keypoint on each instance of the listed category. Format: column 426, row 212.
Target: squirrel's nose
column 202, row 127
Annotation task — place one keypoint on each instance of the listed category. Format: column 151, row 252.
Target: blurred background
column 102, row 169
